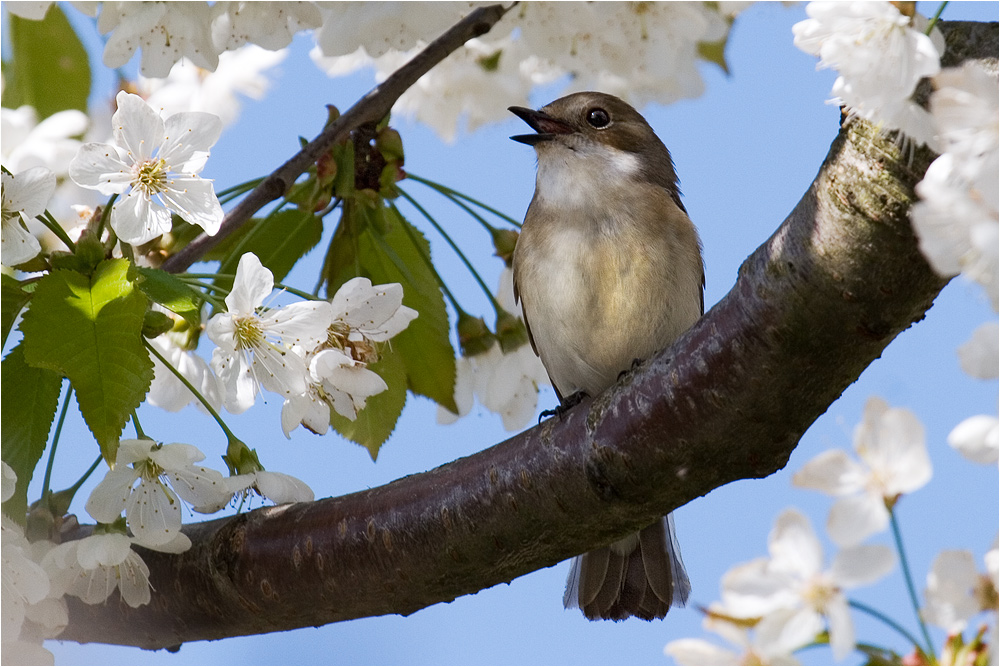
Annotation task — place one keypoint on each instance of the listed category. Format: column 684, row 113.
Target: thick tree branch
column 812, row 307
column 371, row 108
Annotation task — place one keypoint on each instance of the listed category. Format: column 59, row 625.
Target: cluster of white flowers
column 314, row 353
column 505, row 383
column 773, row 606
column 957, row 222
column 880, row 54
column 784, row 598
column 642, row 52
column 37, row 575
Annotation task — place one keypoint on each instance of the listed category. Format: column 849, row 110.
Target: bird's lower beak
column 545, row 126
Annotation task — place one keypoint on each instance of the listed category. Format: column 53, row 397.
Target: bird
column 607, row 271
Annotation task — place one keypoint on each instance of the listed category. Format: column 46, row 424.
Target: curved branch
column 371, row 108
column 811, row 308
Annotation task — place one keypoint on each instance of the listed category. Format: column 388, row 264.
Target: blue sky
column 745, row 152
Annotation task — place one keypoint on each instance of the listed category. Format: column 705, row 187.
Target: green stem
column 54, row 227
column 875, row 613
column 139, row 434
column 46, row 488
column 128, row 252
column 897, row 535
column 90, row 471
column 458, row 251
column 934, row 19
column 208, row 406
column 106, row 216
column 453, row 194
column 232, row 192
column 302, row 294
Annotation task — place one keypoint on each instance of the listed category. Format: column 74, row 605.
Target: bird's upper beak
column 545, row 126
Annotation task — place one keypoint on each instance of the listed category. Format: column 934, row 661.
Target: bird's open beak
column 545, row 126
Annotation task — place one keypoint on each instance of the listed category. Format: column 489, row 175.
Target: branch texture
column 811, row 309
column 371, row 108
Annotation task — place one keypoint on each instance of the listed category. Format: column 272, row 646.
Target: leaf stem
column 934, row 19
column 139, row 433
column 46, row 488
column 455, row 194
column 911, row 589
column 53, row 226
column 875, row 613
column 90, row 471
column 458, row 251
column 212, row 411
column 232, row 192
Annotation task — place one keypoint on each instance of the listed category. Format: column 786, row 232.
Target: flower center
column 819, row 592
column 150, row 177
column 249, row 332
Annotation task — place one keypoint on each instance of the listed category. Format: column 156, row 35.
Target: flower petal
column 138, row 129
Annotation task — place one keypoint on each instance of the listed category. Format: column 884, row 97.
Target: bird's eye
column 598, row 118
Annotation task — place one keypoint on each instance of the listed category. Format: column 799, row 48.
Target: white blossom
column 152, row 507
column 373, row 313
column 957, row 228
column 966, row 115
column 792, row 593
column 271, row 25
column 26, row 143
column 958, row 219
column 255, row 349
column 894, row 461
column 154, row 165
column 363, row 316
column 277, row 487
column 956, row 590
column 505, row 383
column 346, row 383
column 976, row 438
column 24, row 582
column 165, row 32
column 751, row 650
column 168, row 392
column 880, row 55
column 980, row 355
column 642, row 52
column 191, row 88
column 9, row 482
column 25, row 195
column 384, row 26
column 93, row 567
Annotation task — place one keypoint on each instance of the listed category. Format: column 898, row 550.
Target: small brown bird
column 607, row 270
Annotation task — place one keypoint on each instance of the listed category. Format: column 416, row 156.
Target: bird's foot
column 565, row 406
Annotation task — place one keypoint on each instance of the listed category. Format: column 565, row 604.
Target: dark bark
column 811, row 308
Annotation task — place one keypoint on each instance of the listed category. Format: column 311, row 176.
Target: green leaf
column 378, row 243
column 12, row 300
column 89, row 329
column 30, row 396
column 49, row 69
column 377, row 420
column 171, row 292
column 279, row 241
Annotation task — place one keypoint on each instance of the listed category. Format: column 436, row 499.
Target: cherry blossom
column 154, row 165
column 255, row 345
column 164, row 473
column 25, row 195
column 894, row 461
